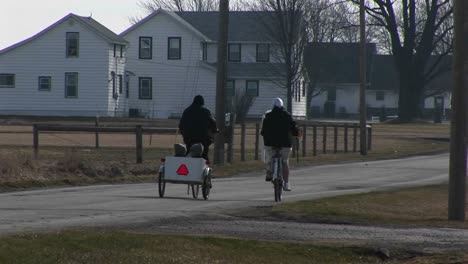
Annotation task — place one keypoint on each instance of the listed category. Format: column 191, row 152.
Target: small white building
column 75, row 67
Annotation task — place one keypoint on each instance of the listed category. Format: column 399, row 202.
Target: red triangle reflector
column 182, row 170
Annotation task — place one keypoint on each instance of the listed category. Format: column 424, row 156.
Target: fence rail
column 300, row 147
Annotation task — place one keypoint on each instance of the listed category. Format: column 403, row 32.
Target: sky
column 21, row 19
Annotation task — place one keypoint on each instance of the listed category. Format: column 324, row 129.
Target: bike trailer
column 184, row 169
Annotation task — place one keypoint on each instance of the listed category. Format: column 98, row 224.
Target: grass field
column 119, row 247
column 419, row 206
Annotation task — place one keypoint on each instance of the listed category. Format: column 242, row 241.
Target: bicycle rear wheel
column 278, row 186
column 277, row 179
column 161, row 185
column 206, row 186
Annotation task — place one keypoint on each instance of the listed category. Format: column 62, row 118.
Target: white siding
column 429, row 102
column 390, row 99
column 45, row 56
column 268, row 91
column 118, row 106
column 248, row 53
column 175, row 82
column 347, row 97
column 299, row 103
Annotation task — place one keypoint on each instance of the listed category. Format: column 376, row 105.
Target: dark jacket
column 197, row 124
column 278, row 128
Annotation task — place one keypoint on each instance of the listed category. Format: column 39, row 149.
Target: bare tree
column 185, row 5
column 416, row 29
column 286, row 27
column 149, row 6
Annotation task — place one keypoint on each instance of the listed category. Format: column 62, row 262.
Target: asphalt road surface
column 139, row 204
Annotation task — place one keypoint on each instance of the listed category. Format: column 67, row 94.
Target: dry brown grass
column 419, row 206
column 70, row 158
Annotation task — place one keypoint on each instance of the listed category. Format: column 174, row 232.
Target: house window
column 73, row 39
column 121, row 51
column 380, row 96
column 331, row 94
column 45, row 83
column 173, row 48
column 71, row 85
column 251, row 88
column 146, row 48
column 114, row 93
column 7, row 80
column 120, row 84
column 230, row 88
column 145, row 88
column 115, row 50
column 234, row 52
column 204, row 51
column 263, row 52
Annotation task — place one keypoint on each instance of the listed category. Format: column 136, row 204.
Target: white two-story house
column 172, row 57
column 75, row 67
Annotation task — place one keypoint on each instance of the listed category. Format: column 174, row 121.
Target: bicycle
column 277, row 173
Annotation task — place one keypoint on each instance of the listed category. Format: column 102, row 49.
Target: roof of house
column 171, row 14
column 106, row 33
column 95, row 26
column 336, row 62
column 243, row 25
column 385, row 74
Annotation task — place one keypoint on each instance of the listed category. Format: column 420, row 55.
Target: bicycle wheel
column 195, row 190
column 278, row 186
column 161, row 185
column 278, row 180
column 206, row 186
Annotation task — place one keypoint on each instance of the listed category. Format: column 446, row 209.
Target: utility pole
column 221, row 80
column 362, row 90
column 458, row 132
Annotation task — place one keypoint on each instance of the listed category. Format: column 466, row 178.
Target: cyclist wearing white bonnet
column 278, row 128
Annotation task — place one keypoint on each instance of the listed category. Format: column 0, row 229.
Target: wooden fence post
column 369, row 138
column 243, row 142
column 139, row 144
column 335, row 139
column 230, row 140
column 97, row 131
column 297, row 148
column 354, row 137
column 36, row 141
column 324, row 136
column 314, row 139
column 304, row 140
column 345, row 138
column 257, row 138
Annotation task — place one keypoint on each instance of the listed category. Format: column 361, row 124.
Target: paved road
column 134, row 203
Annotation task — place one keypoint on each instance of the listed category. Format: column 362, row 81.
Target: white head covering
column 277, row 102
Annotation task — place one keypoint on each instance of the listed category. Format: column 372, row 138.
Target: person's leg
column 268, row 156
column 206, row 148
column 285, row 155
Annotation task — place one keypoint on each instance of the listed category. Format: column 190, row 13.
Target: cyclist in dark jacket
column 197, row 125
column 278, row 128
